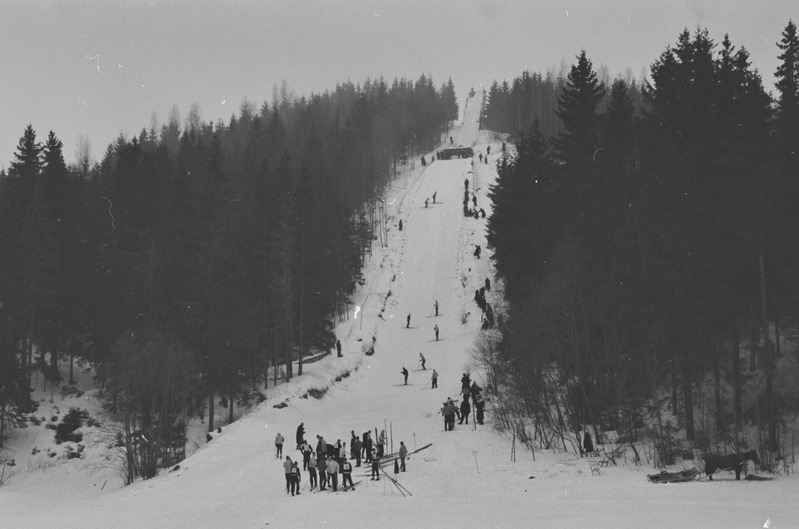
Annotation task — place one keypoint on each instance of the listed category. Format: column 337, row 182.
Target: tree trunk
column 688, row 399
column 736, row 379
column 768, row 362
column 715, row 358
column 211, row 411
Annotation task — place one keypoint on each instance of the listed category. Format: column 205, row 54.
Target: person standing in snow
column 465, row 409
column 321, row 467
column 300, row 435
column 435, row 306
column 435, row 329
column 588, row 444
column 367, row 446
column 355, row 451
column 400, row 225
column 403, row 453
column 422, row 360
column 434, row 379
column 408, row 321
column 375, row 466
column 426, row 201
column 481, row 157
column 381, row 449
column 488, row 284
column 338, row 348
column 312, row 471
column 434, row 196
column 306, row 450
column 465, row 381
column 279, row 445
column 332, row 472
column 479, row 406
column 342, row 454
column 287, row 467
column 296, row 477
column 477, row 251
column 346, row 474
column 321, row 445
column 423, row 162
column 405, row 374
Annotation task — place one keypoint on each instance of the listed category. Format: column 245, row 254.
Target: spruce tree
column 577, row 107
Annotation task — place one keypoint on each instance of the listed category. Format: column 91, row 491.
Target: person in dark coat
column 477, row 251
column 296, row 477
column 588, row 444
column 408, row 321
column 338, row 348
column 435, row 330
column 346, row 474
column 435, row 306
column 400, row 225
column 300, row 435
column 465, row 409
column 321, row 467
column 367, row 446
column 488, row 284
column 479, row 407
column 422, row 360
column 405, row 374
column 465, row 381
column 434, row 379
column 355, row 451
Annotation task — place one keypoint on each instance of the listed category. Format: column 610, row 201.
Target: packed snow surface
column 466, row 479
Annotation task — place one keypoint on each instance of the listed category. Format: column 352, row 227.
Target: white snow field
column 466, row 479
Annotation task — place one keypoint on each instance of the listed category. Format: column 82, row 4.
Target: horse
column 729, row 462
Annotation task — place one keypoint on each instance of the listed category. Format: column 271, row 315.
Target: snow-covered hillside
column 466, row 479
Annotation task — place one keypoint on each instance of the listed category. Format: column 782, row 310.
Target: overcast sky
column 98, row 68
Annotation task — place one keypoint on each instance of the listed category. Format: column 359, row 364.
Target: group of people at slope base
column 469, row 211
column 469, row 390
column 327, row 461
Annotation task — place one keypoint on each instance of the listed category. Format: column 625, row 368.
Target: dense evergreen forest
column 643, row 243
column 196, row 256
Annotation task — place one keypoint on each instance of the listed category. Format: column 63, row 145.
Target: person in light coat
column 279, row 445
column 332, row 472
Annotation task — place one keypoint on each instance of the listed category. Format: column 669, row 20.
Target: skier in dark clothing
column 405, row 374
column 477, row 251
column 435, row 329
column 434, row 379
column 465, row 381
column 300, row 435
column 422, row 360
column 346, row 474
column 465, row 409
column 435, row 306
column 434, row 196
column 400, row 225
column 481, row 156
column 296, row 477
column 338, row 348
column 408, row 321
column 588, row 444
